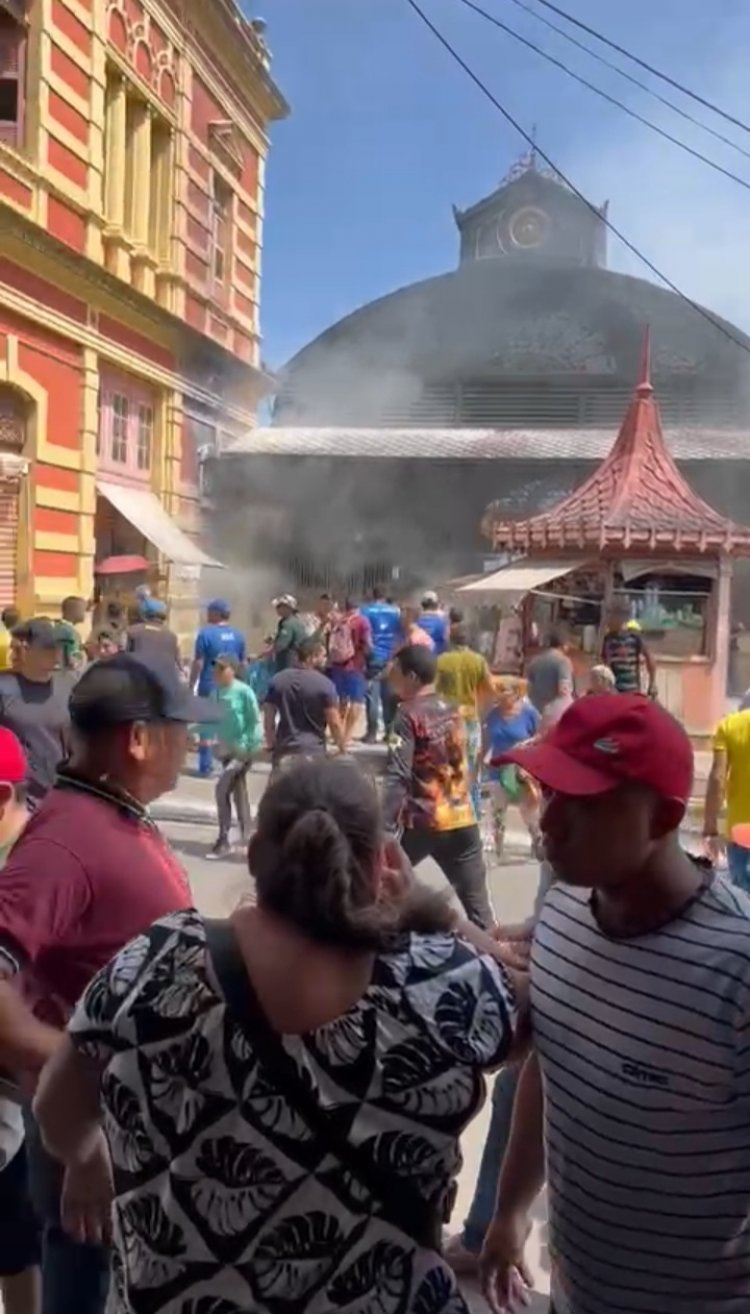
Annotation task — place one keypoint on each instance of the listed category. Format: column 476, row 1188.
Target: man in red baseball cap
column 624, row 750
column 637, row 1095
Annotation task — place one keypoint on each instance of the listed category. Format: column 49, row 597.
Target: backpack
column 341, row 645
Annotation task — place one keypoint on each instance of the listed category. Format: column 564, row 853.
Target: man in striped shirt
column 639, row 1089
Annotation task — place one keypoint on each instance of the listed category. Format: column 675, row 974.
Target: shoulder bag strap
column 400, row 1203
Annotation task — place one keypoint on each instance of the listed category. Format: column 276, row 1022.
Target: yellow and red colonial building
column 133, row 139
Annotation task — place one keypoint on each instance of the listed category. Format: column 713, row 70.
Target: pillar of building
column 718, row 697
column 141, row 175
column 87, row 509
column 115, row 177
column 143, row 262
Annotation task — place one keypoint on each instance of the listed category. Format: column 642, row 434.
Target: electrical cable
column 633, row 114
column 707, row 104
column 630, row 77
column 528, row 138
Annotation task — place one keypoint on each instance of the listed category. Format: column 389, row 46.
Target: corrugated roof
column 686, row 444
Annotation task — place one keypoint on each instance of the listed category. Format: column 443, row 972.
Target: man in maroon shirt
column 89, row 873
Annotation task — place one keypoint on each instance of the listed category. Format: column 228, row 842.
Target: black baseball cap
column 39, row 633
column 124, row 688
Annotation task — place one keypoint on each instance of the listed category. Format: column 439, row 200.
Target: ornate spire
column 636, row 497
column 644, row 388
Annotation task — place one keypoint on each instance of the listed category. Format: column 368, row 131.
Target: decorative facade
column 133, row 140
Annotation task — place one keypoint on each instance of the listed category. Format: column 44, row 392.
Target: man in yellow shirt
column 729, row 778
column 463, row 679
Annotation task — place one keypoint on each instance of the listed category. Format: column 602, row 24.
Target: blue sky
column 386, row 133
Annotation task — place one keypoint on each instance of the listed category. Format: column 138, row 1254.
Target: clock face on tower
column 526, row 229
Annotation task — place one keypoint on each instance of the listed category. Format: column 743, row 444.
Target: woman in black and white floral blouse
column 283, row 1094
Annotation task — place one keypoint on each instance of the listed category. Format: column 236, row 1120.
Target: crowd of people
column 263, row 1113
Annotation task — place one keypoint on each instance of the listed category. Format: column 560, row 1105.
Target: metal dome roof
column 499, row 319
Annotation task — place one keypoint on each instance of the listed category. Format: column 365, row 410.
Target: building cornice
column 237, row 50
column 93, row 277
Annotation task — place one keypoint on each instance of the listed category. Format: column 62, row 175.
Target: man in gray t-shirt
column 550, row 675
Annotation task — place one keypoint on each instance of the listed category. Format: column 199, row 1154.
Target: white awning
column 520, row 577
column 146, row 513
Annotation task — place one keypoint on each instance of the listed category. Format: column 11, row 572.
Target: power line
column 528, row 138
column 707, row 104
column 598, row 91
column 630, row 77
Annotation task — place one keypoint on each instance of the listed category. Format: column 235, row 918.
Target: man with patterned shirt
column 427, row 797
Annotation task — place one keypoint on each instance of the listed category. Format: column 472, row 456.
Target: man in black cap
column 34, row 702
column 89, row 873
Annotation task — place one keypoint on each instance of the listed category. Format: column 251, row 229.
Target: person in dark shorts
column 427, row 788
column 625, row 653
column 34, row 703
column 301, row 707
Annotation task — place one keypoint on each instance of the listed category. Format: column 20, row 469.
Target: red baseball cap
column 604, row 740
column 13, row 769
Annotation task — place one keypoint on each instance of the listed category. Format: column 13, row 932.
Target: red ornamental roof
column 636, row 498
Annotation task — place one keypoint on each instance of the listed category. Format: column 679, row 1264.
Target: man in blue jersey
column 216, row 638
column 385, row 623
column 435, row 622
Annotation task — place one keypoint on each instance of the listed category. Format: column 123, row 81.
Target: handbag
column 399, row 1203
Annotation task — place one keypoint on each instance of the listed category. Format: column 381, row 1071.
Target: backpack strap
column 400, row 1204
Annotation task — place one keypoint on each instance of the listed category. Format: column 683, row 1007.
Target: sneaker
column 221, row 849
column 463, row 1262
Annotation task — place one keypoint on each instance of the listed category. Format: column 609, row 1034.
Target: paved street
column 218, row 886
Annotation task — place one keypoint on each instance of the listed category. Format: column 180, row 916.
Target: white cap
column 430, row 596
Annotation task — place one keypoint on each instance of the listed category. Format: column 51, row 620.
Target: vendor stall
column 633, row 533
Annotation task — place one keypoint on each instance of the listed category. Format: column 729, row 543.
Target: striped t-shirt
column 644, row 1045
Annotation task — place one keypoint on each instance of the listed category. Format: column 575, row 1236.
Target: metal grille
column 498, row 403
column 313, row 578
column 12, row 421
column 510, row 403
column 9, row 494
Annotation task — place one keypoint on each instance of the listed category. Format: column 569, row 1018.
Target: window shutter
column 12, row 41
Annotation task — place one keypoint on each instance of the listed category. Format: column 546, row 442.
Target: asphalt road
column 220, row 886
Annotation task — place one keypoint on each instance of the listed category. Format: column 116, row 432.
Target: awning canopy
column 521, row 577
column 146, row 513
column 129, row 564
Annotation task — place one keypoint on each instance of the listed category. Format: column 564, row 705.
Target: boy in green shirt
column 239, row 735
column 73, row 615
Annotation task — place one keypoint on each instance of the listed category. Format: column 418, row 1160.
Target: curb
column 204, row 814
column 191, row 813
